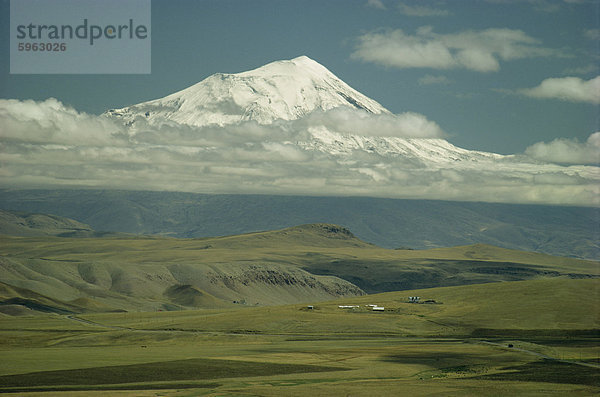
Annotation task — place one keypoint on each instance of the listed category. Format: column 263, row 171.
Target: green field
column 457, row 346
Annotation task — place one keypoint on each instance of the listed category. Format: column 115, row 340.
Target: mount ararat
column 281, row 90
column 298, row 111
column 340, row 121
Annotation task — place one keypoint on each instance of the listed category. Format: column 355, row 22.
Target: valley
column 459, row 346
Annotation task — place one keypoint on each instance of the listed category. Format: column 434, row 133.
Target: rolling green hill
column 306, row 263
column 27, row 224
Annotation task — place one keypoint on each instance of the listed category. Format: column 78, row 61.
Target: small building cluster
column 373, row 307
column 417, row 299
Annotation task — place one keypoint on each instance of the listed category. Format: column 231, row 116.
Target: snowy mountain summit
column 287, row 90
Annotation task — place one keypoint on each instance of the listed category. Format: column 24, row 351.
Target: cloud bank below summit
column 47, row 144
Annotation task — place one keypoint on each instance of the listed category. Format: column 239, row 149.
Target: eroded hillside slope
column 306, row 263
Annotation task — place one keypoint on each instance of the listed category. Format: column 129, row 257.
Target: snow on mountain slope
column 284, row 90
column 314, row 111
column 290, row 90
column 429, row 151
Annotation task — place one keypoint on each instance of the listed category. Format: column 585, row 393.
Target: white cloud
column 46, row 144
column 421, row 11
column 52, row 122
column 376, row 4
column 568, row 151
column 357, row 122
column 571, row 89
column 480, row 51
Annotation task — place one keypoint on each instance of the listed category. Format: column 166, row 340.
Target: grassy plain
column 456, row 346
column 506, row 323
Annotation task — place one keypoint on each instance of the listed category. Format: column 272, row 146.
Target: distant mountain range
column 390, row 223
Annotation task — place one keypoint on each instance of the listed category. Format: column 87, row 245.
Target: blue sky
column 484, row 109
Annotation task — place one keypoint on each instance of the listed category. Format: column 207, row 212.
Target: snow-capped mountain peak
column 294, row 89
column 287, row 90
